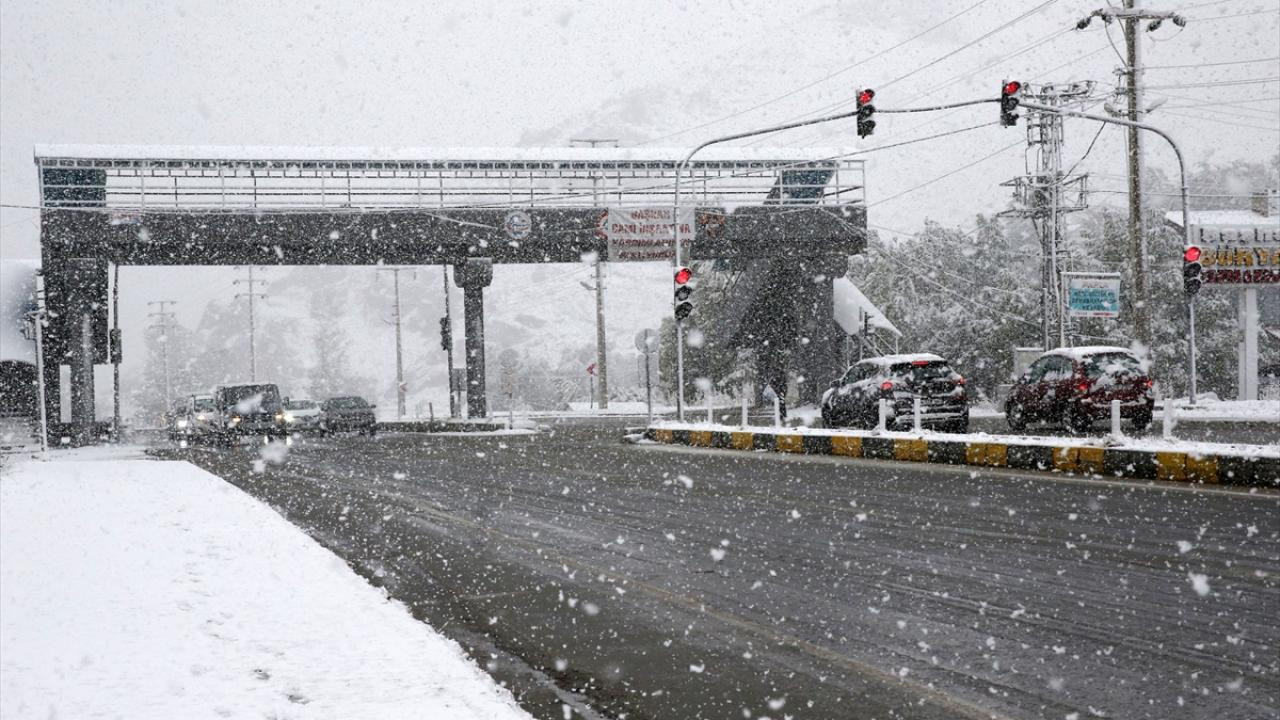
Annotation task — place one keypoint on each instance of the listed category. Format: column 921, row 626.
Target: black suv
column 854, row 400
column 347, row 413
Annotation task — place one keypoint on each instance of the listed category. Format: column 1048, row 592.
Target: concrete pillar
column 820, row 348
column 1248, row 350
column 473, row 276
column 81, row 351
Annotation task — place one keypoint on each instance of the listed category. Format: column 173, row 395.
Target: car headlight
column 235, row 420
column 201, row 416
column 182, row 423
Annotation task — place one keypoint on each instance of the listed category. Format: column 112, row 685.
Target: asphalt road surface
column 599, row 579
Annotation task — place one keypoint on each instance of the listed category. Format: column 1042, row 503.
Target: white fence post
column 745, row 389
column 777, row 412
column 711, row 418
column 1170, row 419
column 915, row 410
column 884, row 416
column 1115, row 419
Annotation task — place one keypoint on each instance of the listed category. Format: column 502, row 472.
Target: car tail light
column 886, row 386
column 1082, row 386
column 960, row 381
column 919, row 363
column 1149, row 382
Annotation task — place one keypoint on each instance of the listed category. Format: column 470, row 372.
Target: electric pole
column 251, row 294
column 602, row 361
column 1040, row 197
column 1131, row 15
column 446, row 340
column 400, row 386
column 161, row 323
column 116, row 354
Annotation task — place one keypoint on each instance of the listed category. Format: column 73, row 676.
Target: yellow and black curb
column 1217, row 468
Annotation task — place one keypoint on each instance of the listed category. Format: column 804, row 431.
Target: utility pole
column 251, row 294
column 116, row 354
column 602, row 362
column 161, row 323
column 400, row 386
column 1040, row 198
column 1131, row 15
column 446, row 339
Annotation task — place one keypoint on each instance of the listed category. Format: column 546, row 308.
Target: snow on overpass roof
column 410, row 154
column 1222, row 217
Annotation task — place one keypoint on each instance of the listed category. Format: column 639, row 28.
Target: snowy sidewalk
column 141, row 589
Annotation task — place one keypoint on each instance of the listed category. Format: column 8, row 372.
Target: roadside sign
column 591, row 369
column 1239, row 255
column 646, row 341
column 643, row 234
column 518, row 224
column 1095, row 295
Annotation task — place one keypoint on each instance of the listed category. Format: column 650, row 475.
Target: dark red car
column 1075, row 386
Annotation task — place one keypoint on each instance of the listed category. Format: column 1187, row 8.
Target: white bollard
column 915, row 410
column 1170, row 419
column 777, row 412
column 1115, row 419
column 744, row 404
column 711, row 417
column 884, row 416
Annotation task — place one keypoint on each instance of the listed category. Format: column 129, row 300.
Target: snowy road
column 665, row 582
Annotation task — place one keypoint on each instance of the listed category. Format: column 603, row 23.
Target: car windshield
column 921, row 370
column 203, row 404
column 300, row 405
column 252, row 398
column 348, row 403
column 1112, row 364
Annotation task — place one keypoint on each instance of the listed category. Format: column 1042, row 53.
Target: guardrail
column 1209, row 463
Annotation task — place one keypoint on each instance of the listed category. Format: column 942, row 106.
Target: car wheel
column 1016, row 416
column 1075, row 421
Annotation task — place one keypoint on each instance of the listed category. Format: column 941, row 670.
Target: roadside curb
column 1066, row 457
column 438, row 426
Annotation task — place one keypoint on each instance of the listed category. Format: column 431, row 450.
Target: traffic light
column 866, row 125
column 1009, row 93
column 1191, row 270
column 446, row 334
column 683, row 292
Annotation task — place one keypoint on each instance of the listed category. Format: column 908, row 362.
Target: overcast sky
column 504, row 73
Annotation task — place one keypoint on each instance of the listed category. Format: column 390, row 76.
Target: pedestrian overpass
column 802, row 211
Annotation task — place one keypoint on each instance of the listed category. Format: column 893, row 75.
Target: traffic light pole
column 1186, row 216
column 675, row 205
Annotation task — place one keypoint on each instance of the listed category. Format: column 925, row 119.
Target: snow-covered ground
column 139, row 589
column 1209, row 409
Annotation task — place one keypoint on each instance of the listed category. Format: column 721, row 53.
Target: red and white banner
column 643, row 234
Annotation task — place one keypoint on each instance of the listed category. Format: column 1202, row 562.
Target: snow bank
column 139, row 589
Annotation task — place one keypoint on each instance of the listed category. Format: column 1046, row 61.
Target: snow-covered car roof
column 245, row 384
column 910, row 357
column 1084, row 351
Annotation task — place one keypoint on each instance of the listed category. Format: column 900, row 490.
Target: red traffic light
column 1012, row 87
column 1192, row 254
column 683, row 275
column 866, row 96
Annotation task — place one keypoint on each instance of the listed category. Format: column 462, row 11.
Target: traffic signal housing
column 866, row 125
column 683, row 293
column 1192, row 270
column 1010, row 92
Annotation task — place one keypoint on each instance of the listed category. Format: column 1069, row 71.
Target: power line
column 1218, row 83
column 1275, row 58
column 944, row 176
column 1101, row 127
column 819, row 80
